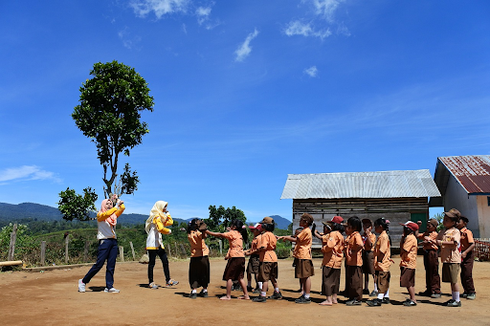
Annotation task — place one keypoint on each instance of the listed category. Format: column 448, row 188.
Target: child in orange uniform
column 431, row 260
column 382, row 263
column 408, row 263
column 199, row 264
column 353, row 258
column 449, row 239
column 369, row 239
column 235, row 268
column 304, row 268
column 254, row 260
column 467, row 259
column 332, row 249
column 268, row 270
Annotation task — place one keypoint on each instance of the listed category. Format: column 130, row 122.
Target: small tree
column 109, row 114
column 77, row 207
column 220, row 218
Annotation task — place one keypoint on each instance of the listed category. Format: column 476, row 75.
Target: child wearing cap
column 304, row 268
column 295, row 255
column 268, row 270
column 449, row 240
column 382, row 263
column 235, row 267
column 199, row 263
column 353, row 258
column 408, row 263
column 254, row 260
column 369, row 239
column 332, row 249
column 431, row 260
column 467, row 259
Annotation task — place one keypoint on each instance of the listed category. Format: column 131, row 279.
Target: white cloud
column 299, row 28
column 202, row 14
column 326, row 8
column 312, row 71
column 26, row 172
column 160, row 7
column 128, row 40
column 244, row 50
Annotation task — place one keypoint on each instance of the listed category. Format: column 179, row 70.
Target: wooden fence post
column 183, row 250
column 67, row 240
column 85, row 250
column 176, row 249
column 132, row 249
column 43, row 253
column 169, row 254
column 220, row 247
column 13, row 238
column 121, row 253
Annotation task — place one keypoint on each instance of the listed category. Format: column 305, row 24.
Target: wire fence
column 482, row 249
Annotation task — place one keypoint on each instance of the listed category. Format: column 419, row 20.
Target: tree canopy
column 109, row 114
column 220, row 218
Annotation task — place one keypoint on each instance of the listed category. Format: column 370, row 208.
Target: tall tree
column 220, row 218
column 109, row 114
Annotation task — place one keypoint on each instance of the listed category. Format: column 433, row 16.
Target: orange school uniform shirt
column 382, row 253
column 466, row 238
column 236, row 244
column 333, row 249
column 267, row 246
column 408, row 252
column 303, row 244
column 198, row 246
column 354, row 241
column 372, row 237
column 450, row 253
column 432, row 236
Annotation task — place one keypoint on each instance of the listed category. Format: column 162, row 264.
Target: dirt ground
column 51, row 298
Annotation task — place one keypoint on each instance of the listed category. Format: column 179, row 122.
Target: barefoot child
column 408, row 263
column 235, row 267
column 332, row 249
column 382, row 263
column 199, row 264
column 304, row 268
column 353, row 258
column 268, row 261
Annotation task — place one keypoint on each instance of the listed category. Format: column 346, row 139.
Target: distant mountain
column 281, row 222
column 37, row 212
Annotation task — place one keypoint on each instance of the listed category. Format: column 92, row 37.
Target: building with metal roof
column 464, row 182
column 399, row 196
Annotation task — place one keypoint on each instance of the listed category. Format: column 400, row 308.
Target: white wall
column 457, row 197
column 483, row 217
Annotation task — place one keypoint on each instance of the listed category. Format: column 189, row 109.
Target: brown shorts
column 383, row 281
column 234, row 269
column 450, row 272
column 407, row 277
column 253, row 264
column 267, row 271
column 330, row 280
column 304, row 268
column 368, row 262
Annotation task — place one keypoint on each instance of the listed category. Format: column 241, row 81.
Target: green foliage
column 77, row 207
column 24, row 243
column 220, row 218
column 109, row 115
column 439, row 217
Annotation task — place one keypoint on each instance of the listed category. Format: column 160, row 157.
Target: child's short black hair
column 338, row 227
column 384, row 223
column 464, row 219
column 268, row 226
column 355, row 223
column 240, row 228
column 192, row 226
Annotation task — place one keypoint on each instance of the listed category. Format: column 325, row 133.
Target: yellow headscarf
column 157, row 210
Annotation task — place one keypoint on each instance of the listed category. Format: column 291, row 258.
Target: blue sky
column 245, row 92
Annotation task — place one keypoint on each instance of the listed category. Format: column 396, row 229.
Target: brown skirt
column 199, row 272
column 235, row 268
column 304, row 268
column 407, row 277
column 268, row 271
column 368, row 262
column 253, row 264
column 330, row 281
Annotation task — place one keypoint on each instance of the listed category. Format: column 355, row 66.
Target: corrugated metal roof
column 472, row 172
column 383, row 184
